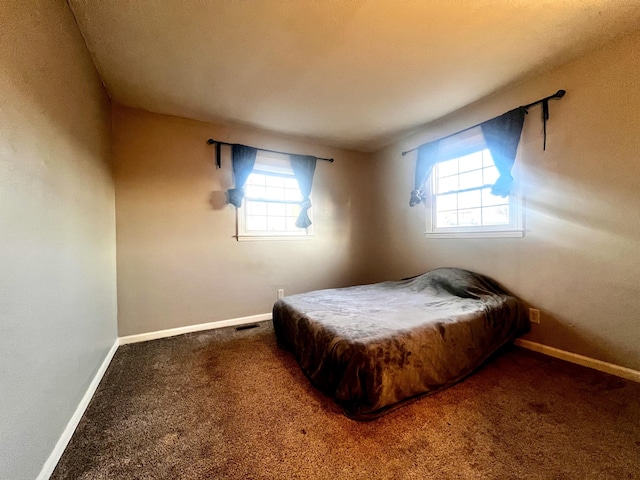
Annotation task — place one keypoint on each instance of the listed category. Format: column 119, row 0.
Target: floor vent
column 246, row 327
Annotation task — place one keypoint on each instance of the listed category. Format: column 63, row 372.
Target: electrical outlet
column 534, row 316
column 280, row 292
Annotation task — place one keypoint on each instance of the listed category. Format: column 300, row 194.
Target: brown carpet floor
column 231, row 405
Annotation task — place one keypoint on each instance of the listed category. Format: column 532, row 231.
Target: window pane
column 447, row 219
column 276, row 223
column 292, row 210
column 291, row 224
column 487, row 159
column 291, row 183
column 256, row 179
column 470, row 162
column 469, row 199
column 470, row 179
column 490, row 175
column 273, row 181
column 264, row 207
column 292, row 195
column 470, row 217
column 447, row 184
column 276, row 209
column 462, row 200
column 450, row 167
column 274, row 193
column 256, row 208
column 489, row 199
column 498, row 215
column 254, row 191
column 446, row 202
column 256, row 223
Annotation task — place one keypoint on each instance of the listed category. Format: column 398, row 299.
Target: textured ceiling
column 347, row 73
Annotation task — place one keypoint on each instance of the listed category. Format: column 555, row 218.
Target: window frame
column 276, row 165
column 457, row 147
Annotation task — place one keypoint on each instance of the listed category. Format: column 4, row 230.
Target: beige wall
column 57, row 230
column 580, row 259
column 178, row 261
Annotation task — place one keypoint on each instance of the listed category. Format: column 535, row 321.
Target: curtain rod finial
column 211, row 141
column 560, row 93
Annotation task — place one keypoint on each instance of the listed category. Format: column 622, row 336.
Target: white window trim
column 261, row 237
column 515, row 228
column 270, row 163
column 243, row 236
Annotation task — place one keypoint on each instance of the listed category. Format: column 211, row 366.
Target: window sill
column 487, row 234
column 258, row 238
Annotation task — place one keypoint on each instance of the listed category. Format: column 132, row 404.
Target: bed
column 376, row 347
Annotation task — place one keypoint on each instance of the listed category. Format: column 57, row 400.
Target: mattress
column 376, row 347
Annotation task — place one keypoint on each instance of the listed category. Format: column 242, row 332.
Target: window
column 272, row 201
column 461, row 203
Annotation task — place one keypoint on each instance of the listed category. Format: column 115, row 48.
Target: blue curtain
column 502, row 136
column 304, row 166
column 427, row 158
column 243, row 159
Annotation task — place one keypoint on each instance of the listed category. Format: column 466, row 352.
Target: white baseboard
column 63, row 441
column 171, row 332
column 606, row 367
column 50, row 465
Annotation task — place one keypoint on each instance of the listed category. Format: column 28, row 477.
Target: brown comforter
column 375, row 347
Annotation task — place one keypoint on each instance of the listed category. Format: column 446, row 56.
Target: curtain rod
column 211, row 141
column 545, row 117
